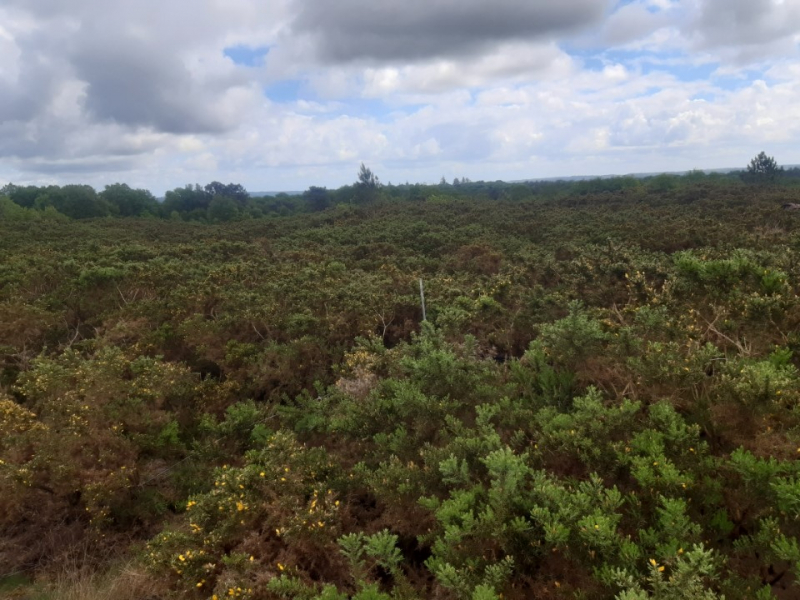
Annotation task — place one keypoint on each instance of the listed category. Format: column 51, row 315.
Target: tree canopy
column 762, row 169
column 366, row 178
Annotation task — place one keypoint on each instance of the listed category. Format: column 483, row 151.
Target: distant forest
column 217, row 202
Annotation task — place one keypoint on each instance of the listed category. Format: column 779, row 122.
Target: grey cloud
column 82, row 83
column 51, row 7
column 90, row 165
column 353, row 30
column 37, row 69
column 21, row 103
column 49, row 139
column 633, row 22
column 134, row 83
column 743, row 23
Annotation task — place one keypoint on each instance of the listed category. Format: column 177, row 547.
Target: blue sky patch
column 367, row 107
column 247, row 56
column 704, row 96
column 286, row 91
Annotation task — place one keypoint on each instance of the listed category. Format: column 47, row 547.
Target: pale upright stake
column 422, row 298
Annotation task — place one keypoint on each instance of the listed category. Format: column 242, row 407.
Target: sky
column 285, row 94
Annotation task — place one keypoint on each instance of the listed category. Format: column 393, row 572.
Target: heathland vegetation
column 219, row 396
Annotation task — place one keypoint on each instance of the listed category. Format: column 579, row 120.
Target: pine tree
column 762, row 169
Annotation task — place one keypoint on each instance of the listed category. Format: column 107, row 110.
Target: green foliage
column 317, row 197
column 569, row 341
column 89, row 437
column 759, row 383
column 221, row 209
column 128, row 202
column 12, row 212
column 366, row 553
column 762, row 169
column 685, row 577
column 366, row 178
column 244, row 387
column 280, row 489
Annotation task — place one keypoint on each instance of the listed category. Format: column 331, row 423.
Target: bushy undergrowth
column 603, row 403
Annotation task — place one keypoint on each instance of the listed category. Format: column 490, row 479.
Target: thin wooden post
column 422, row 298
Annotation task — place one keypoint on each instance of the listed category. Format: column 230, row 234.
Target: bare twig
column 619, row 314
column 74, row 337
column 744, row 348
column 258, row 333
column 384, row 323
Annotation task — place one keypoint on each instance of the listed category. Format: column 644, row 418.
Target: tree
column 222, row 208
column 367, row 179
column 187, row 200
column 25, row 196
column 367, row 186
column 10, row 211
column 128, row 202
column 75, row 201
column 235, row 191
column 762, row 169
column 317, row 198
column 416, row 193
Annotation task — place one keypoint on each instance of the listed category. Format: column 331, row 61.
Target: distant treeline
column 218, row 202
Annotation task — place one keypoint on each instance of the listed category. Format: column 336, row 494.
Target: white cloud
column 635, row 21
column 514, row 62
column 139, row 92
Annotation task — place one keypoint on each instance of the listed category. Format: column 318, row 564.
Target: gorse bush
column 594, row 408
